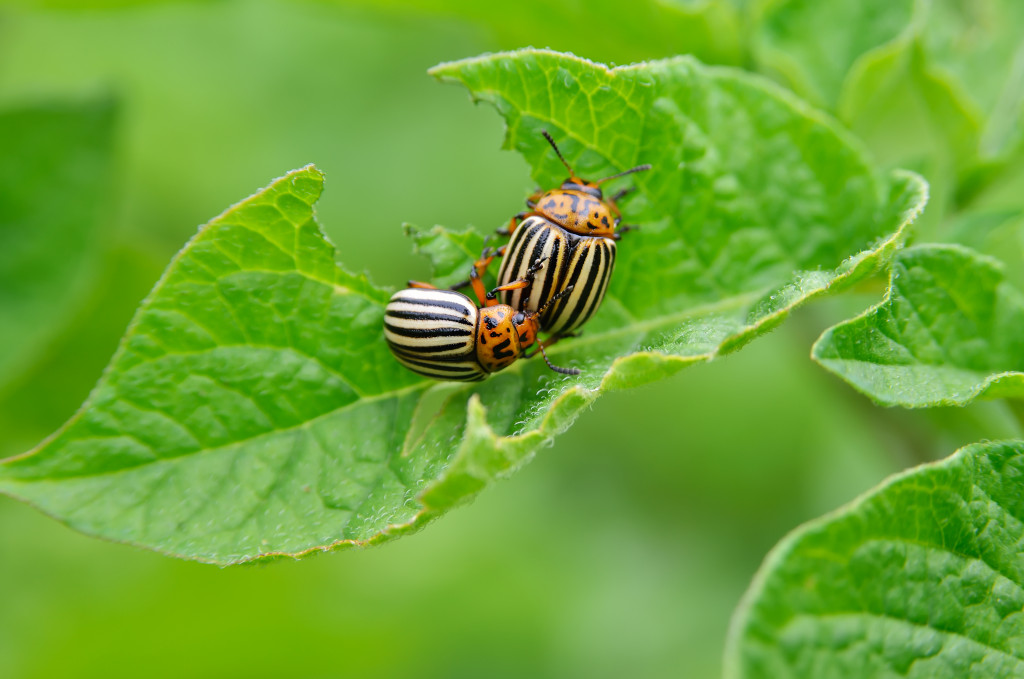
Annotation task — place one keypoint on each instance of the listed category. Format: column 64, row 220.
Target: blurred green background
column 621, row 551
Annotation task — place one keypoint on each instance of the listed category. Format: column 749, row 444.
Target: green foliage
column 449, row 252
column 253, row 410
column 814, row 46
column 605, row 30
column 824, row 49
column 55, row 171
column 978, row 48
column 920, row 578
column 929, row 84
column 950, row 330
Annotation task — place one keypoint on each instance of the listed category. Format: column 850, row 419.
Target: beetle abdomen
column 588, row 271
column 432, row 332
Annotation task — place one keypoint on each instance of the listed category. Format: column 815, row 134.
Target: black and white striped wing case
column 433, row 333
column 584, row 262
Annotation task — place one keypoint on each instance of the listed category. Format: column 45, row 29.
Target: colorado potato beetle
column 444, row 335
column 573, row 227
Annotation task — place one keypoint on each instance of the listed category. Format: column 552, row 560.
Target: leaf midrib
column 215, row 449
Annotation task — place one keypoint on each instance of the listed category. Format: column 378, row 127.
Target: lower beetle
column 442, row 334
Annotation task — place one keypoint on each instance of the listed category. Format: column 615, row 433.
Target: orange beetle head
column 504, row 333
column 526, row 326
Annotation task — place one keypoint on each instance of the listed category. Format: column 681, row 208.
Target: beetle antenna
column 638, row 168
column 564, row 371
column 554, row 299
column 560, row 156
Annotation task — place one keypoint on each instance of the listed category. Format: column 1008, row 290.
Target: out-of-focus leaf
column 55, row 172
column 919, row 579
column 950, row 330
column 978, row 46
column 937, row 85
column 606, row 30
column 814, row 45
column 912, row 118
column 253, row 408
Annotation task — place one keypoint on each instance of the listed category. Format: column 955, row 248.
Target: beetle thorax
column 498, row 339
column 577, row 211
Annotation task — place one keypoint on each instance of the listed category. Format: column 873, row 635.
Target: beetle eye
column 518, row 318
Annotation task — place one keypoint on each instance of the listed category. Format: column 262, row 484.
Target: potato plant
column 253, row 413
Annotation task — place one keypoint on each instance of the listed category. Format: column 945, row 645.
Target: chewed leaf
column 450, row 252
column 754, row 204
column 922, row 577
column 254, row 410
column 950, row 330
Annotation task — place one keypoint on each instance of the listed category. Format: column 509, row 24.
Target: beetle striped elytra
column 583, row 263
column 442, row 334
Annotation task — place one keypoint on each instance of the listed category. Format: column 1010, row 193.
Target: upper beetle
column 574, row 228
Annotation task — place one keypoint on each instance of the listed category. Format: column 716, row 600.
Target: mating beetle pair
column 553, row 276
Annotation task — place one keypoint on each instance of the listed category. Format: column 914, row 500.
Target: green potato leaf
column 450, row 252
column 930, row 84
column 922, row 577
column 950, row 330
column 814, row 46
column 55, row 173
column 978, row 47
column 253, row 409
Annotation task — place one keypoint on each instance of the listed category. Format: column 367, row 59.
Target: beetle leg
column 486, row 257
column 481, row 265
column 514, row 222
column 514, row 285
column 476, row 280
column 624, row 229
column 421, row 284
column 551, row 341
column 522, row 282
column 622, row 193
column 479, row 290
column 476, row 275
